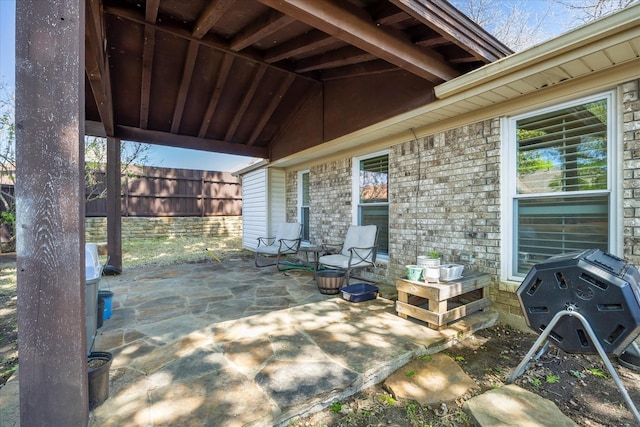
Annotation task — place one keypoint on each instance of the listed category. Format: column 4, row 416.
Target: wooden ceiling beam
column 223, row 74
column 310, row 42
column 209, row 41
column 147, row 65
column 276, row 99
column 151, row 11
column 211, row 14
column 185, row 83
column 97, row 65
column 389, row 15
column 433, row 42
column 354, row 29
column 191, row 142
column 262, row 27
column 336, row 58
column 455, row 27
column 150, row 16
column 358, row 70
column 256, row 81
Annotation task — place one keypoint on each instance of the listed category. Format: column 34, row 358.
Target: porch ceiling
column 232, row 76
column 593, row 57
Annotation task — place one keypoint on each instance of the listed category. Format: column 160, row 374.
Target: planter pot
column 330, row 281
column 432, row 274
column 414, row 272
column 99, row 363
column 428, row 262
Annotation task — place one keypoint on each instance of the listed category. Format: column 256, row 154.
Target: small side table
column 441, row 303
column 315, row 252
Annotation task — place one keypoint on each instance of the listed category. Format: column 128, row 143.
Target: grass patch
column 179, row 250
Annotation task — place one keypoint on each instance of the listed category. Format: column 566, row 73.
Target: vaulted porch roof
column 267, row 78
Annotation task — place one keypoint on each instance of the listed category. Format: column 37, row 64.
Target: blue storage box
column 359, row 292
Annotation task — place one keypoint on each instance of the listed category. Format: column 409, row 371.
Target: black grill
column 601, row 287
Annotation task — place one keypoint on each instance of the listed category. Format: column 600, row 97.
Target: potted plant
column 431, row 264
column 431, row 259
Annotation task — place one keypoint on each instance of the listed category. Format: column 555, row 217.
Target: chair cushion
column 341, row 261
column 359, row 236
column 288, row 230
column 268, row 250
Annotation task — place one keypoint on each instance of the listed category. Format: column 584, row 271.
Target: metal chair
column 359, row 250
column 285, row 242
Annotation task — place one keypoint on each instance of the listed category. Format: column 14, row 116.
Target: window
column 372, row 181
column 303, row 202
column 561, row 196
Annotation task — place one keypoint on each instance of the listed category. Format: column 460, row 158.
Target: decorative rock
column 430, row 382
column 514, row 406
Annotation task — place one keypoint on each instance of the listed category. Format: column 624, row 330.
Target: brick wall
column 330, row 201
column 445, row 195
column 134, row 228
column 631, row 170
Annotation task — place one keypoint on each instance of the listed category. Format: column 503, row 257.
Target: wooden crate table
column 441, row 303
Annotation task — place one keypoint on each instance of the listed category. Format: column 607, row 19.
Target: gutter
column 585, row 36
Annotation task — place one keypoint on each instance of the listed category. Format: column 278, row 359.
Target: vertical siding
column 277, row 198
column 254, row 208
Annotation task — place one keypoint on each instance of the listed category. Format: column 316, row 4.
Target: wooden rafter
column 147, row 64
column 97, row 65
column 187, row 74
column 358, row 70
column 212, row 13
column 455, row 27
column 151, row 11
column 433, row 42
column 210, row 41
column 312, row 41
column 150, row 16
column 389, row 15
column 268, row 112
column 336, row 58
column 183, row 141
column 355, row 29
column 271, row 22
column 223, row 74
column 255, row 84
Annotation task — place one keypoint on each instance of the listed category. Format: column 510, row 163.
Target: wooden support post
column 50, row 212
column 114, row 203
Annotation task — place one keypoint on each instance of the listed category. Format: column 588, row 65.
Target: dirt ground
column 578, row 384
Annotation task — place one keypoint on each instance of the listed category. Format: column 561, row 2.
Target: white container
column 423, row 261
column 431, row 274
column 450, row 272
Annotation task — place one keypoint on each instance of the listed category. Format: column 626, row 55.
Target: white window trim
column 299, row 205
column 355, row 189
column 508, row 187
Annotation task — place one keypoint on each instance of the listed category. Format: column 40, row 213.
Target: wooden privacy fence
column 164, row 192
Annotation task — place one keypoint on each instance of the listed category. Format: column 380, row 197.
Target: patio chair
column 285, row 242
column 358, row 250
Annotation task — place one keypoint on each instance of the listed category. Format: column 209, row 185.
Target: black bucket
column 100, row 313
column 99, row 364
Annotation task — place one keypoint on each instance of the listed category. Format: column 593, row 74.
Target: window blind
column 564, row 150
column 554, row 225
